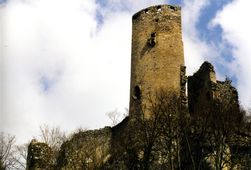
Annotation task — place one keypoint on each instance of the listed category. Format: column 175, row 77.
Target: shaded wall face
column 204, row 91
column 199, row 94
column 200, row 89
column 157, row 52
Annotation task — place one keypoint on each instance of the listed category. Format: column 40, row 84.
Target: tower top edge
column 158, row 9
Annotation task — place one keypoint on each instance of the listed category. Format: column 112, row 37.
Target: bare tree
column 170, row 109
column 158, row 135
column 226, row 118
column 54, row 137
column 15, row 156
column 115, row 116
column 210, row 132
column 7, row 153
column 21, row 152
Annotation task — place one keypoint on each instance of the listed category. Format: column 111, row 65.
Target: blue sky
column 214, row 35
column 67, row 62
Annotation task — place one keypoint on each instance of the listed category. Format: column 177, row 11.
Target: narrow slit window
column 152, row 40
column 137, row 92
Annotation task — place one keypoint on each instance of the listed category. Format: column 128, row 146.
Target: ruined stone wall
column 225, row 93
column 204, row 90
column 86, row 150
column 39, row 157
column 157, row 53
column 200, row 92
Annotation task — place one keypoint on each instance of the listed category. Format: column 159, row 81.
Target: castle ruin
column 157, row 63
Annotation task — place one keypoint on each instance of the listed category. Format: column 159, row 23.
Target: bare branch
column 7, row 153
column 54, row 137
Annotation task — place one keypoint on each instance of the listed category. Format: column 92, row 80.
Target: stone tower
column 157, row 53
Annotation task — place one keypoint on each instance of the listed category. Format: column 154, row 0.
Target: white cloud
column 234, row 21
column 196, row 50
column 59, row 68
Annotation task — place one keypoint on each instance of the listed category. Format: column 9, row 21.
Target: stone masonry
column 157, row 53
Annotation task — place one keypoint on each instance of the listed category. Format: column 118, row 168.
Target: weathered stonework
column 157, row 53
column 204, row 89
column 39, row 156
column 86, row 150
column 200, row 88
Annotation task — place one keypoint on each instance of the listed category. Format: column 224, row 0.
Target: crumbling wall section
column 86, row 150
column 225, row 93
column 205, row 93
column 200, row 89
column 39, row 156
